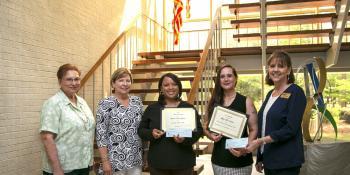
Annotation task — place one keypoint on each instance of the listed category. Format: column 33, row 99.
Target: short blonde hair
column 119, row 73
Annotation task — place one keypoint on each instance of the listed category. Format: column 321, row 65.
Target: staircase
column 195, row 69
column 156, row 55
column 147, row 72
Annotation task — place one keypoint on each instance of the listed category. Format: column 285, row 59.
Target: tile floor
column 205, row 159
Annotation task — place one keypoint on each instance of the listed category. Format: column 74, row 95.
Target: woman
column 168, row 155
column 118, row 118
column 67, row 128
column 231, row 161
column 279, row 121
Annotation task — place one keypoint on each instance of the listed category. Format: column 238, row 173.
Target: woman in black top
column 231, row 161
column 168, row 155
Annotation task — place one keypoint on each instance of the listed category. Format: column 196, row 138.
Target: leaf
column 329, row 117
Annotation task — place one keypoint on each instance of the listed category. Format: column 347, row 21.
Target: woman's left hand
column 178, row 139
column 238, row 152
column 253, row 146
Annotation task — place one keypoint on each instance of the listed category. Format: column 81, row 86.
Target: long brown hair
column 218, row 93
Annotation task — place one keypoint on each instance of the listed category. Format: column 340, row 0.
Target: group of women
column 67, row 126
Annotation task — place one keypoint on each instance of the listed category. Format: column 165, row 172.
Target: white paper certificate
column 230, row 123
column 236, row 143
column 178, row 121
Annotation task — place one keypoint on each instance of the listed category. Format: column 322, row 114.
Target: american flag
column 177, row 21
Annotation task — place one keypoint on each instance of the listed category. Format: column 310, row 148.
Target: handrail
column 101, row 59
column 112, row 46
column 204, row 56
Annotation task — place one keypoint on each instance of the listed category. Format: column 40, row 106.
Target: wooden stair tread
column 198, row 168
column 165, row 60
column 270, row 49
column 345, row 46
column 201, row 149
column 143, row 80
column 296, row 4
column 247, row 35
column 244, row 8
column 279, row 5
column 163, row 69
column 154, row 90
column 300, row 19
column 299, row 34
column 300, row 48
column 240, row 51
column 171, row 54
column 285, row 20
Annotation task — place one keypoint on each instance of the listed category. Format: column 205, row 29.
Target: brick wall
column 36, row 37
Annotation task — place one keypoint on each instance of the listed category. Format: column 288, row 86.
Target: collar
column 66, row 100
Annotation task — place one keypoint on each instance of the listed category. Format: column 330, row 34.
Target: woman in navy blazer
column 280, row 143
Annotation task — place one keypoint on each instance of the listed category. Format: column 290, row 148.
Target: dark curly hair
column 176, row 79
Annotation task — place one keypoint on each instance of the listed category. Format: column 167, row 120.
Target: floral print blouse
column 116, row 129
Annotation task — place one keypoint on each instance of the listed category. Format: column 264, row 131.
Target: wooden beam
column 333, row 52
column 165, row 60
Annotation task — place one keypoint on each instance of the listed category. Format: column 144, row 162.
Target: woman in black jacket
column 279, row 120
column 168, row 155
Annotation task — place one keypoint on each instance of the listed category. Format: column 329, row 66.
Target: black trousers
column 284, row 171
column 84, row 171
column 157, row 171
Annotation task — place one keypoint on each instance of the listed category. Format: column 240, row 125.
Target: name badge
column 285, row 95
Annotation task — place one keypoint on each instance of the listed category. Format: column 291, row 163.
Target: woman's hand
column 58, row 172
column 106, row 167
column 214, row 137
column 259, row 167
column 238, row 152
column 156, row 133
column 178, row 139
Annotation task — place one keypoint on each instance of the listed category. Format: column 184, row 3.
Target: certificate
column 178, row 121
column 236, row 143
column 228, row 122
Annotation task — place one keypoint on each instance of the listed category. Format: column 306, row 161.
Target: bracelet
column 262, row 140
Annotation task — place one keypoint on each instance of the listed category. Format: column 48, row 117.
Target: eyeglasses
column 71, row 80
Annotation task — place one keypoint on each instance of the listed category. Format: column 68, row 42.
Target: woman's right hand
column 156, row 133
column 259, row 167
column 213, row 136
column 58, row 172
column 107, row 168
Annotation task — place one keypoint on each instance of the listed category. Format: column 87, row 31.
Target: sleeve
column 296, row 107
column 50, row 117
column 144, row 130
column 102, row 122
column 196, row 134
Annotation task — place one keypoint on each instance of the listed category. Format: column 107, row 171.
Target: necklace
column 278, row 92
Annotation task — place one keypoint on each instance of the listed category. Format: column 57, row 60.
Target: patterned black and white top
column 116, row 129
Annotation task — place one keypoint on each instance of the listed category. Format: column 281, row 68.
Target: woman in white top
column 118, row 118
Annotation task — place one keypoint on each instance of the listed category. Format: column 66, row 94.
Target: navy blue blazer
column 283, row 125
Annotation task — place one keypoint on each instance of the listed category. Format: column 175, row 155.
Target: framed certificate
column 178, row 121
column 228, row 122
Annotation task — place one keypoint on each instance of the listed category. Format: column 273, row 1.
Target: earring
column 288, row 77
